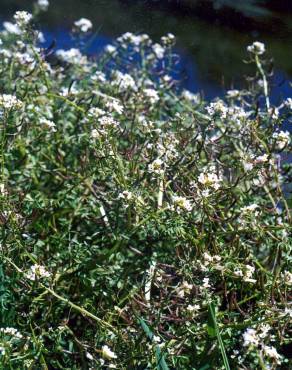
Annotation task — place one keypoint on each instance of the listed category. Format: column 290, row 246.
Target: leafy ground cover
column 141, row 227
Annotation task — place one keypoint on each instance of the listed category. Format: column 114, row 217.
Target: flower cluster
column 22, row 18
column 209, row 179
column 48, row 124
column 83, row 25
column 37, row 272
column 43, row 4
column 8, row 102
column 12, row 332
column 257, row 48
column 255, row 338
column 182, row 203
column 72, row 56
column 282, row 139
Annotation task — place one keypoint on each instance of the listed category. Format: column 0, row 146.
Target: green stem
column 260, row 68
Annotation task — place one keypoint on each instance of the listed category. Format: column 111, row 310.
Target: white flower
column 135, row 40
column 156, row 339
column 72, row 56
column 288, row 103
column 158, row 51
column 169, row 39
column 257, row 48
column 37, row 271
column 262, row 158
column 24, row 58
column 110, row 49
column 250, row 337
column 206, row 283
column 272, row 353
column 22, row 18
column 152, row 95
column 156, row 166
column 237, row 114
column 288, row 312
column 191, row 97
column 95, row 134
column 282, row 139
column 207, row 258
column 260, row 179
column 11, row 332
column 265, row 328
column 49, row 124
column 238, row 272
column 274, row 113
column 43, row 4
column 233, row 94
column 108, row 353
column 108, row 121
column 217, row 108
column 260, row 83
column 127, row 36
column 124, row 81
column 99, row 77
column 185, row 287
column 83, row 25
column 210, row 179
column 251, row 209
column 127, row 195
column 182, row 202
column 138, row 39
column 12, row 28
column 95, row 112
column 287, row 278
column 89, row 356
column 170, row 36
column 41, row 37
column 166, row 79
column 193, row 308
column 249, row 270
column 72, row 90
column 3, row 190
column 8, row 101
column 6, row 54
column 114, row 105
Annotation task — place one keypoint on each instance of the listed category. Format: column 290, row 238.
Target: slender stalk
column 265, row 82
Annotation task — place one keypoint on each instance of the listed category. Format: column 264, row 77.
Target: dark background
column 212, row 35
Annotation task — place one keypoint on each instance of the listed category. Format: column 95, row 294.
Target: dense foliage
column 141, row 227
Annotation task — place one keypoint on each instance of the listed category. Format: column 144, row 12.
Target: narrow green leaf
column 210, row 326
column 214, row 326
column 205, row 367
column 160, row 360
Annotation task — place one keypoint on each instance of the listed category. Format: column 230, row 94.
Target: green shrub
column 141, row 227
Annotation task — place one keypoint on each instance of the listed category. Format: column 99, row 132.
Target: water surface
column 212, row 49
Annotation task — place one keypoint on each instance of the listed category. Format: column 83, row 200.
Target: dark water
column 211, row 48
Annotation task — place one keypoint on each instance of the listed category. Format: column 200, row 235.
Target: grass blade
column 213, row 327
column 160, row 360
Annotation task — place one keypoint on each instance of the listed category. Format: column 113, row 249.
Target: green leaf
column 205, row 367
column 160, row 360
column 210, row 326
column 213, row 328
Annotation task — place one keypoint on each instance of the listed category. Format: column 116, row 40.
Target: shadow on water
column 210, row 45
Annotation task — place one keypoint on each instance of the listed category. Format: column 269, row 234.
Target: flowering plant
column 141, row 226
